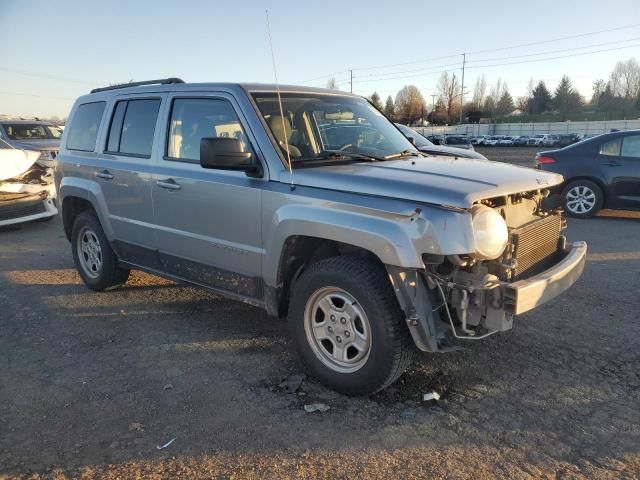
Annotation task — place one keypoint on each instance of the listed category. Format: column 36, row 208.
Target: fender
column 396, row 238
column 90, row 191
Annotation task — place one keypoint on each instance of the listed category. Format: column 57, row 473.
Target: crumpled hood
column 436, row 180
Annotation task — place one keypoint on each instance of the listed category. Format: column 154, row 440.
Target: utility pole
column 351, row 81
column 464, row 61
column 433, row 110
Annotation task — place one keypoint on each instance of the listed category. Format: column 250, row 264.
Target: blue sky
column 51, row 52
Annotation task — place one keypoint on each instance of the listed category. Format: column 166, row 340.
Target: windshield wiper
column 338, row 154
column 404, row 153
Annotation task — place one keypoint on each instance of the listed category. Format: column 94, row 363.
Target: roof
column 219, row 86
column 18, row 121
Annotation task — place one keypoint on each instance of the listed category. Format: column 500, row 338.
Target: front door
column 208, row 222
column 620, row 165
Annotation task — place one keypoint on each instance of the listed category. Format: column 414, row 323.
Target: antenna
column 275, row 74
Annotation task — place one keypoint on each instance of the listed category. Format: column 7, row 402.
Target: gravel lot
column 91, row 383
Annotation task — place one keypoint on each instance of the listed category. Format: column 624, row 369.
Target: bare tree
column 522, row 103
column 448, row 90
column 479, row 92
column 332, row 84
column 410, row 104
column 625, row 79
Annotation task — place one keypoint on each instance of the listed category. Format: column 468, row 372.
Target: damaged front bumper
column 524, row 295
column 430, row 303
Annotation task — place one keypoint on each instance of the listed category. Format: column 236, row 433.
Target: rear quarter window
column 83, row 130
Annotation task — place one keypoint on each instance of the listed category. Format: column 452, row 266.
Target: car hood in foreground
column 43, row 144
column 437, row 180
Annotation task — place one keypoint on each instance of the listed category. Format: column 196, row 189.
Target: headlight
column 489, row 232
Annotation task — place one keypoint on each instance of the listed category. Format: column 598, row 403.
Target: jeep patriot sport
column 311, row 204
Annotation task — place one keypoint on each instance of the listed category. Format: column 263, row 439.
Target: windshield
column 418, row 139
column 457, row 141
column 31, row 131
column 318, row 126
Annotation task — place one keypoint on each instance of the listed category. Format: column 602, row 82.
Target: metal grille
column 536, row 246
column 21, row 209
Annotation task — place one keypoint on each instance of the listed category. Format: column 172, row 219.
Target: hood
column 44, row 144
column 437, row 180
column 452, row 152
column 14, row 162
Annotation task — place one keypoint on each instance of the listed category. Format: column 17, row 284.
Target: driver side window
column 193, row 119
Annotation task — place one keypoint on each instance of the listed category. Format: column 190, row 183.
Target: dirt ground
column 91, row 384
column 523, row 156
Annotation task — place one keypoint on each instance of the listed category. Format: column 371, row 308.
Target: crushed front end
column 522, row 260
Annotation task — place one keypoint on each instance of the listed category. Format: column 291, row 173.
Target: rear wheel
column 95, row 261
column 582, row 198
column 348, row 325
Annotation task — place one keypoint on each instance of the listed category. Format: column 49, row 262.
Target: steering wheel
column 345, row 147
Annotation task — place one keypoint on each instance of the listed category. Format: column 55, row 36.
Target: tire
column 374, row 320
column 582, row 198
column 97, row 263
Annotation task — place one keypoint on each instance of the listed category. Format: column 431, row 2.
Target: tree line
column 619, row 96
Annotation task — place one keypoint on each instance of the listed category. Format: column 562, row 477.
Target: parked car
column 26, row 189
column 426, row 146
column 32, row 135
column 506, row 141
column 458, row 141
column 537, row 140
column 521, row 140
column 311, row 205
column 493, row 140
column 568, row 139
column 601, row 172
column 550, row 141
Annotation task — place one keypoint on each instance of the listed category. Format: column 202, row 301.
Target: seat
column 283, row 135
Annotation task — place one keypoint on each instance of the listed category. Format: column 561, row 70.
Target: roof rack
column 161, row 81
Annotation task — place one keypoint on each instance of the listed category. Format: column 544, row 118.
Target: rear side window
column 631, row 146
column 132, row 127
column 612, row 148
column 83, row 130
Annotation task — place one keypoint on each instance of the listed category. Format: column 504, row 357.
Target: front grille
column 22, row 208
column 536, row 246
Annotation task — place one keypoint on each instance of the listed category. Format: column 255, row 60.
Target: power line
column 555, row 58
column 579, row 35
column 381, row 75
column 555, row 51
column 33, row 95
column 46, row 76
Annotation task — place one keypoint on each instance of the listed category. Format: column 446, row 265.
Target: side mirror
column 411, row 139
column 227, row 154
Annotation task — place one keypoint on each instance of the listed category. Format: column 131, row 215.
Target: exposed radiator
column 536, row 246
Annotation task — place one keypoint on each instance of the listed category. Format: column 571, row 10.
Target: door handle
column 169, row 184
column 104, row 174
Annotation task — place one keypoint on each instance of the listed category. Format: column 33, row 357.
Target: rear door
column 208, row 222
column 619, row 161
column 125, row 175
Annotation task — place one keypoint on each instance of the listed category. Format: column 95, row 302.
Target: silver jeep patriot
column 310, row 204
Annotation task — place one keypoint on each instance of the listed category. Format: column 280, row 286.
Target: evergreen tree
column 389, row 108
column 541, row 98
column 505, row 104
column 566, row 99
column 375, row 99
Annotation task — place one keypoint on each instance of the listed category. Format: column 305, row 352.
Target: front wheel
column 582, row 198
column 348, row 325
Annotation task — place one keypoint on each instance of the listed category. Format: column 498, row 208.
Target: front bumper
column 527, row 294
